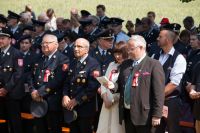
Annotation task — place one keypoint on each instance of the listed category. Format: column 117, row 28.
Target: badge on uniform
column 135, row 79
column 65, row 67
column 20, row 62
column 46, row 75
column 96, row 73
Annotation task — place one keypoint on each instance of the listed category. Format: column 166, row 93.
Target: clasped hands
column 3, row 92
column 36, row 97
column 69, row 103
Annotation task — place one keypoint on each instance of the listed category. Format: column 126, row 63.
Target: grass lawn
column 175, row 10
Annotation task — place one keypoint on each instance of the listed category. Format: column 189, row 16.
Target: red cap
column 164, row 21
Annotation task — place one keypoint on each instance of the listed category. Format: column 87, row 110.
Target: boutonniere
column 135, row 79
column 146, row 73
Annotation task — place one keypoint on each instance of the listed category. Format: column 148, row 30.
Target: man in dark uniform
column 11, row 70
column 46, row 84
column 192, row 59
column 90, row 29
column 100, row 12
column 103, row 54
column 178, row 44
column 195, row 95
column 174, row 66
column 40, row 31
column 149, row 33
column 30, row 59
column 67, row 43
column 81, row 87
column 13, row 24
column 3, row 21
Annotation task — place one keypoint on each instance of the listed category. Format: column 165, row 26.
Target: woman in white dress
column 109, row 116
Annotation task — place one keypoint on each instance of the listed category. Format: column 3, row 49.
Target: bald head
column 81, row 48
column 50, row 37
column 84, row 42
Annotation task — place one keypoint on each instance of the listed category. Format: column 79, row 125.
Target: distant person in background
column 51, row 24
column 138, row 26
column 3, row 21
column 66, row 23
column 25, row 19
column 100, row 12
column 152, row 15
column 43, row 17
column 185, row 39
column 130, row 28
column 149, row 33
column 13, row 24
column 188, row 23
column 116, row 26
column 163, row 22
column 28, row 8
column 85, row 14
column 74, row 20
column 59, row 25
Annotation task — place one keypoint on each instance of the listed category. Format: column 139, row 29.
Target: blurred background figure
column 130, row 28
column 51, row 24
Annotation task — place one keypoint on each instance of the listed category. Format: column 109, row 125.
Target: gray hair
column 84, row 41
column 138, row 40
column 53, row 37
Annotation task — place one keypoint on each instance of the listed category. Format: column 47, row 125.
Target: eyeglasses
column 46, row 43
column 79, row 47
column 132, row 49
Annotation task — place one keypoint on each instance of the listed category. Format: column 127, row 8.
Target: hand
column 65, row 101
column 155, row 121
column 36, row 97
column 3, row 92
column 72, row 103
column 74, row 11
column 109, row 85
column 194, row 94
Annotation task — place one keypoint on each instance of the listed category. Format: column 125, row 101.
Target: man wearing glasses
column 46, row 84
column 80, row 87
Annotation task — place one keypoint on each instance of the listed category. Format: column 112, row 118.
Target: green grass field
column 126, row 9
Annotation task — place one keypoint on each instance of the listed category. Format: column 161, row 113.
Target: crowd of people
column 85, row 72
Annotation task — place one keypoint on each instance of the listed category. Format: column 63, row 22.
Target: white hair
column 138, row 40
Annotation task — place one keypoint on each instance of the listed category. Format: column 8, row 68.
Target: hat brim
column 69, row 115
column 4, row 34
column 38, row 109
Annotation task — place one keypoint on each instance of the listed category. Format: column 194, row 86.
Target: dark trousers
column 171, row 124
column 51, row 123
column 81, row 125
column 131, row 128
column 97, row 114
column 14, row 115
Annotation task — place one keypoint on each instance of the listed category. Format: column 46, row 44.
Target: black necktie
column 46, row 60
column 115, row 39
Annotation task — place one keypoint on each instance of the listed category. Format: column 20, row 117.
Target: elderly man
column 174, row 65
column 81, row 86
column 141, row 83
column 11, row 91
column 46, row 84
